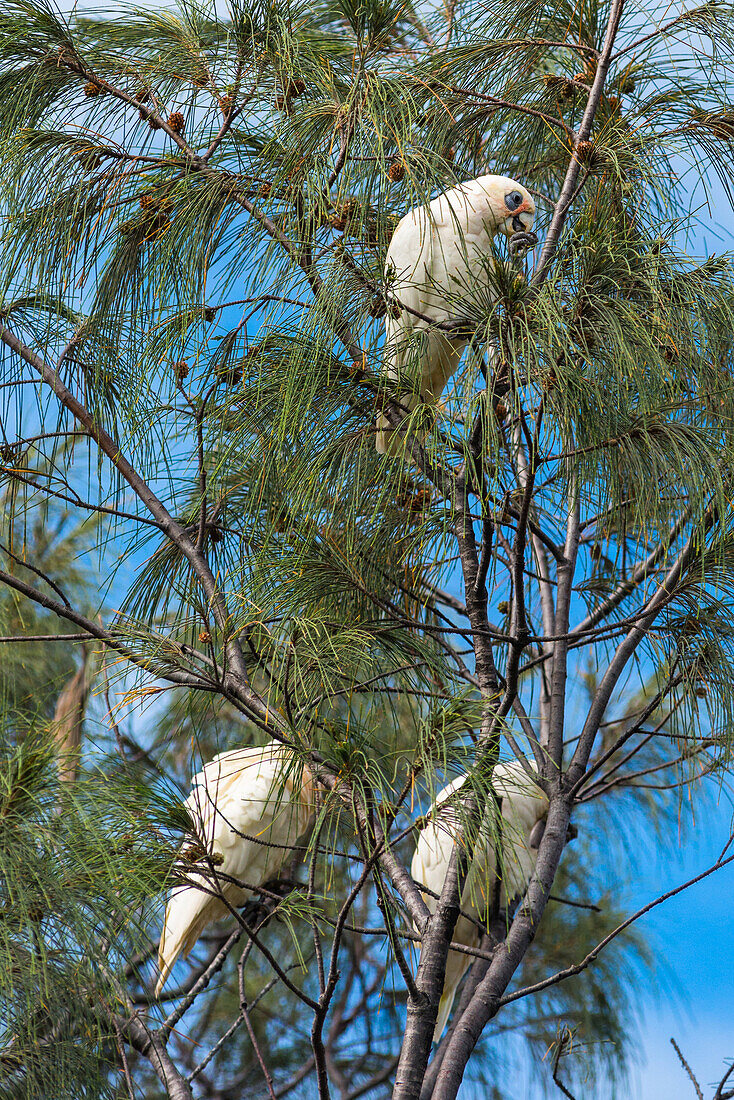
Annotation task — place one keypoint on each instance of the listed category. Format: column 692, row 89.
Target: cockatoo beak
column 521, row 220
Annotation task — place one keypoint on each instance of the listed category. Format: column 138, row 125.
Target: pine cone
column 395, row 309
column 264, row 190
column 396, row 171
column 226, row 102
column 90, row 161
column 142, row 95
column 210, row 313
column 585, row 151
column 500, row 411
column 204, row 636
column 176, row 122
column 152, row 123
column 419, row 502
column 160, row 225
column 295, row 87
column 180, row 369
column 550, row 381
column 91, row 90
column 721, row 125
column 350, row 207
column 377, row 308
column 147, row 202
column 229, row 375
column 193, row 853
column 560, row 86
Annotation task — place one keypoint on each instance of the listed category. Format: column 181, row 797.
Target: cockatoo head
column 512, row 205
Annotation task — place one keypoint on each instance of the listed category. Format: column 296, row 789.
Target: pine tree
column 197, row 208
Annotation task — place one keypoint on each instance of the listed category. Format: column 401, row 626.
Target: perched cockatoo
column 438, row 254
column 522, row 812
column 259, row 793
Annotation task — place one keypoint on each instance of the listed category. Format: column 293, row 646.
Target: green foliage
column 197, row 205
column 77, row 873
column 45, row 544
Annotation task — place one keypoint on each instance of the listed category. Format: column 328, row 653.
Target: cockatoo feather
column 249, row 808
column 439, row 254
column 522, row 806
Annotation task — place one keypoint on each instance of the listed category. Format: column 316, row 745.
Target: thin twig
column 687, row 1068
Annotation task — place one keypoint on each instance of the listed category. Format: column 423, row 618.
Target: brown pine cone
column 296, row 87
column 91, row 90
column 396, row 171
column 176, row 122
column 90, row 161
column 419, row 502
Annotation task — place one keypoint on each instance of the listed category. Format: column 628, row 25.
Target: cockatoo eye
column 513, row 200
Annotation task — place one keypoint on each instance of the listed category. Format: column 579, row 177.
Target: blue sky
column 696, row 932
column 695, row 929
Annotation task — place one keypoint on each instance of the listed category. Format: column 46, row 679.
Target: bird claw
column 524, row 241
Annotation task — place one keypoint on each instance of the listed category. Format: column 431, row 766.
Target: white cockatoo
column 522, row 811
column 438, row 254
column 263, row 794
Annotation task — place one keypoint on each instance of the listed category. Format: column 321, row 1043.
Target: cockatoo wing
column 523, row 806
column 249, row 809
column 429, row 867
column 506, row 833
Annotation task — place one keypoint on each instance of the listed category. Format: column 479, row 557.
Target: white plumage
column 437, row 255
column 259, row 793
column 523, row 808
